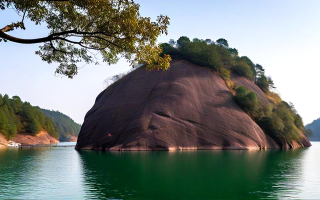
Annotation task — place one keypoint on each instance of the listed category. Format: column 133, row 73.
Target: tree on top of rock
column 208, row 41
column 223, row 42
column 182, row 41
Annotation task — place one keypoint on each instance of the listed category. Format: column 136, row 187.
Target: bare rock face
column 41, row 138
column 185, row 107
column 3, row 141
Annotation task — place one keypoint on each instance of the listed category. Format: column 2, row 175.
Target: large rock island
column 185, row 107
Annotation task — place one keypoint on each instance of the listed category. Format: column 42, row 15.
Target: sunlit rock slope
column 185, row 107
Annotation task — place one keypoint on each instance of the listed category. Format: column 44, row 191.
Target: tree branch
column 24, row 13
column 25, row 41
column 50, row 37
column 7, row 28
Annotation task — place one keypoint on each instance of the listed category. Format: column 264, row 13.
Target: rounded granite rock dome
column 185, row 107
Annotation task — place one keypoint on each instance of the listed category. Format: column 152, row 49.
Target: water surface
column 63, row 173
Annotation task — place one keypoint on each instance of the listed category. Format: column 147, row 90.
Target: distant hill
column 66, row 127
column 18, row 117
column 315, row 128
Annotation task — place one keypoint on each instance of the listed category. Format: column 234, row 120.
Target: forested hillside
column 277, row 118
column 66, row 127
column 17, row 116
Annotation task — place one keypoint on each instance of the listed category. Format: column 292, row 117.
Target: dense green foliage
column 282, row 123
column 219, row 57
column 264, row 83
column 243, row 69
column 279, row 120
column 65, row 125
column 90, row 31
column 17, row 116
column 199, row 52
column 247, row 100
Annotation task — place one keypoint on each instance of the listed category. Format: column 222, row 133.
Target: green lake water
column 63, row 173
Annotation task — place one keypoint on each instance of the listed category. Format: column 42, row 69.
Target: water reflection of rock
column 190, row 174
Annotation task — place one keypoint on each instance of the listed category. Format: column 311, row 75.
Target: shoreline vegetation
column 277, row 118
column 23, row 123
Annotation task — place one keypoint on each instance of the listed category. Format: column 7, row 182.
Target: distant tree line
column 17, row 116
column 279, row 120
column 64, row 124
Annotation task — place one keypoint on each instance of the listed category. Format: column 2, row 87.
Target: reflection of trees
column 189, row 174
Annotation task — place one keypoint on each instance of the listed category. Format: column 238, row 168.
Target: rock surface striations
column 185, row 107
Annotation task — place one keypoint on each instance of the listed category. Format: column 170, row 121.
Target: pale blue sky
column 283, row 36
